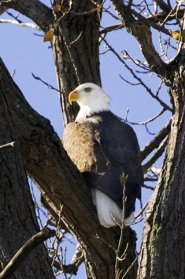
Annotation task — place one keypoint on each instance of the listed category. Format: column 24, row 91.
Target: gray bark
column 17, row 216
column 163, row 243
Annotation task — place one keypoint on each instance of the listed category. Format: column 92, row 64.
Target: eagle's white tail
column 109, row 213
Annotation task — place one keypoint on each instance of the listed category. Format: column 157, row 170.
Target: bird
column 105, row 149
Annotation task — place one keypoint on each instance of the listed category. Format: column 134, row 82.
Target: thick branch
column 33, row 9
column 24, row 251
column 165, row 7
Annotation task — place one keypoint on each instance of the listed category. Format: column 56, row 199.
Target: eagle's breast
column 79, row 142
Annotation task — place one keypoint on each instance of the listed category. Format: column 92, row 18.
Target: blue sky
column 25, row 53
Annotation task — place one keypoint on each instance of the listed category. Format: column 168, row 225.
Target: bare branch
column 165, row 7
column 142, row 33
column 148, row 187
column 141, row 211
column 10, row 144
column 130, row 267
column 156, row 155
column 154, row 143
column 167, row 16
column 123, row 248
column 35, row 10
column 49, row 86
column 149, row 120
column 151, row 179
column 23, row 24
column 71, row 268
column 24, row 251
column 78, row 257
column 136, row 77
column 111, row 28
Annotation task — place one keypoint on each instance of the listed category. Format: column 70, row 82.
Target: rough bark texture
column 34, row 9
column 17, row 217
column 163, row 245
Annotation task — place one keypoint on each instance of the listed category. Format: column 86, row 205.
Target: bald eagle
column 104, row 148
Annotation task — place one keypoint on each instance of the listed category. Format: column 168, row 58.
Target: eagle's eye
column 88, row 89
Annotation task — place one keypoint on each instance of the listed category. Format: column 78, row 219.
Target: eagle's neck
column 87, row 111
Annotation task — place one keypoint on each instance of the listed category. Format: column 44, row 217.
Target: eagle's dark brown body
column 103, row 148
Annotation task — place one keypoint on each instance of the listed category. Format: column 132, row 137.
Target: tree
column 73, row 27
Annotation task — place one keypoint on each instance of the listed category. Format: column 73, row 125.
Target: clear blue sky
column 26, row 53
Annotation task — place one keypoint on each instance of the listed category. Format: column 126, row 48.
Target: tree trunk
column 76, row 50
column 17, row 216
column 163, row 243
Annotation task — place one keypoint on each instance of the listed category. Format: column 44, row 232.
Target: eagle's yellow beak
column 73, row 96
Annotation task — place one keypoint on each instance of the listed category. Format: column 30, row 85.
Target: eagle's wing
column 103, row 152
column 122, row 149
column 119, row 147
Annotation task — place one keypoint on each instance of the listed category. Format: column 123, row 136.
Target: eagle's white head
column 91, row 99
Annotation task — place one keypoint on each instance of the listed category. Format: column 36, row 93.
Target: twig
column 105, row 242
column 111, row 28
column 154, row 143
column 149, row 120
column 150, row 179
column 123, row 256
column 164, row 6
column 23, row 24
column 156, row 155
column 10, row 144
column 71, row 268
column 52, row 211
column 138, row 63
column 155, row 171
column 15, row 17
column 24, row 251
column 162, row 16
column 49, row 86
column 141, row 211
column 163, row 104
column 120, row 256
column 149, row 187
column 129, row 82
column 106, row 10
column 130, row 267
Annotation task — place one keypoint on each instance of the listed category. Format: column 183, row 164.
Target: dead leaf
column 179, row 35
column 48, row 37
column 57, row 8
